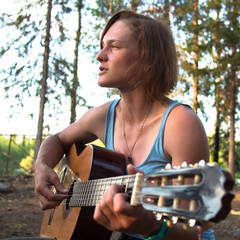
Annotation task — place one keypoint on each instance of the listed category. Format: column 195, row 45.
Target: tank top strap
column 109, row 125
column 166, row 113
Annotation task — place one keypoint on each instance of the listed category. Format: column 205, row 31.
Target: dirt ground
column 20, row 215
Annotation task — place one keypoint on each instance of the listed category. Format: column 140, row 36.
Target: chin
column 105, row 84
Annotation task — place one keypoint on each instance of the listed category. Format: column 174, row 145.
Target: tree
column 213, row 26
column 75, row 81
column 232, row 40
column 223, row 45
column 217, row 83
column 186, row 17
column 21, row 31
column 43, row 90
column 196, row 57
column 28, row 73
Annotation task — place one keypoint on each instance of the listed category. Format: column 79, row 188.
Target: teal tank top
column 156, row 159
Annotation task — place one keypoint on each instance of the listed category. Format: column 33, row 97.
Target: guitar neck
column 90, row 193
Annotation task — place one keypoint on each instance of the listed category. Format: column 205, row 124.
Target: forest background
column 48, row 75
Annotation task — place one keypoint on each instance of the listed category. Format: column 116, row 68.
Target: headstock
column 189, row 194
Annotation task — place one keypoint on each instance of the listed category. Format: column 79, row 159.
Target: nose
column 102, row 56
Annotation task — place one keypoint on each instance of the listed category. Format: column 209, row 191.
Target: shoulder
column 185, row 138
column 95, row 117
column 88, row 128
column 98, row 111
column 182, row 115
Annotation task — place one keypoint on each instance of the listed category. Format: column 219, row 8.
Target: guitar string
column 84, row 193
column 130, row 179
column 84, row 190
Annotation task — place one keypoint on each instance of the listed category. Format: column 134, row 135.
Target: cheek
column 133, row 58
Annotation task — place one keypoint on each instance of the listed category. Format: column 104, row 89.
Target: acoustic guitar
column 90, row 171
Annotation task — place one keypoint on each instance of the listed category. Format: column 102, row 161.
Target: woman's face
column 119, row 52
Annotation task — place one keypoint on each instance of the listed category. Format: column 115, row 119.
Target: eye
column 115, row 46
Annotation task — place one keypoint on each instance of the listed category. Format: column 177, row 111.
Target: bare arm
column 90, row 127
column 185, row 141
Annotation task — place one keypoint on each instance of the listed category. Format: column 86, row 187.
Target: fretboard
column 90, row 193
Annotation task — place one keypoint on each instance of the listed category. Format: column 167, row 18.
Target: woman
column 137, row 57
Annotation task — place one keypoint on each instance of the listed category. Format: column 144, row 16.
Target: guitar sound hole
column 70, row 194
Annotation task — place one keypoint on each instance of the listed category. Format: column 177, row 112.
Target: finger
column 55, row 181
column 106, row 204
column 49, row 199
column 43, row 191
column 104, row 213
column 132, row 170
column 120, row 203
column 101, row 218
column 46, row 204
column 60, row 187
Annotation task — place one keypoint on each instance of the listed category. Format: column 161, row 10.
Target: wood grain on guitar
column 91, row 170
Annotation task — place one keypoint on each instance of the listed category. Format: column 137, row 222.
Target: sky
column 22, row 123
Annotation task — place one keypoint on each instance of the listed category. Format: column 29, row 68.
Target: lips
column 102, row 70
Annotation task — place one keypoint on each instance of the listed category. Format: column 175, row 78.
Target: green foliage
column 224, row 150
column 237, row 179
column 20, row 149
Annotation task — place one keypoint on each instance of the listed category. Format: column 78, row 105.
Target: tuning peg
column 189, row 224
column 158, row 215
column 212, row 164
column 171, row 221
column 184, row 165
column 168, row 166
column 174, row 219
column 202, row 163
column 192, row 222
column 196, row 165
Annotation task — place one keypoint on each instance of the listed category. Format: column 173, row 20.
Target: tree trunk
column 134, row 5
column 43, row 89
column 233, row 94
column 167, row 12
column 217, row 90
column 195, row 49
column 216, row 136
column 75, row 81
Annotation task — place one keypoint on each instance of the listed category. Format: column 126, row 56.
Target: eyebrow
column 111, row 41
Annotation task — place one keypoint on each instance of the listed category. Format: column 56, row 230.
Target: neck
column 90, row 193
column 134, row 106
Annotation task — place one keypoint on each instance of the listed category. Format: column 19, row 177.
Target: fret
column 90, row 193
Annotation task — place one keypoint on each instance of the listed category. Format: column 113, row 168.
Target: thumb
column 132, row 169
column 58, row 185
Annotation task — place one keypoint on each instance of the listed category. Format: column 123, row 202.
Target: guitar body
column 74, row 223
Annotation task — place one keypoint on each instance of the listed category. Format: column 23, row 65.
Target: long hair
column 156, row 70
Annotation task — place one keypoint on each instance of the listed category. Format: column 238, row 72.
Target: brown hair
column 156, row 71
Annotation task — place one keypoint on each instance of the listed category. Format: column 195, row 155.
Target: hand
column 45, row 178
column 116, row 214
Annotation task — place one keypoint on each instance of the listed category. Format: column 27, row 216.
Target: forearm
column 50, row 152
